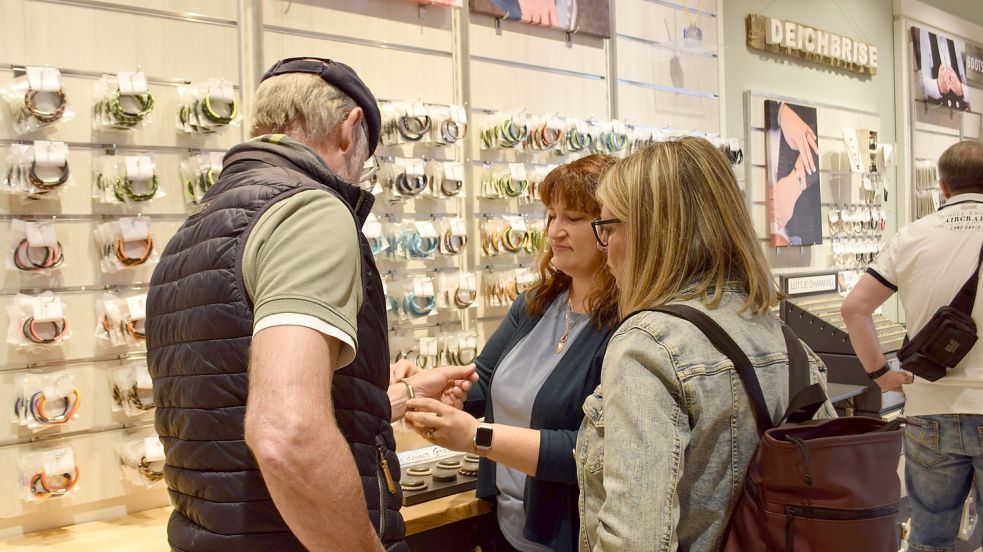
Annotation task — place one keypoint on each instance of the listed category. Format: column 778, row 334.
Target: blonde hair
column 687, row 228
column 300, row 105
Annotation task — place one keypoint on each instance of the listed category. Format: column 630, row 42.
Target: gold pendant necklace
column 566, row 328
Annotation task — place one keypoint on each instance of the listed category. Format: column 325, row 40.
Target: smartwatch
column 483, row 437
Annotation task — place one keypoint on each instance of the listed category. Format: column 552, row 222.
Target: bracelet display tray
column 436, row 489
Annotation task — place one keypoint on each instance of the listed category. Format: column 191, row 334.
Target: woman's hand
column 799, row 136
column 442, row 425
column 449, row 384
column 539, row 12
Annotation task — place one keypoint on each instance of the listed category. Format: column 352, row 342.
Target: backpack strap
column 726, row 345
column 805, row 399
column 964, row 300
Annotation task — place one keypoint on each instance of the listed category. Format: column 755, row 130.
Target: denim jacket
column 668, row 435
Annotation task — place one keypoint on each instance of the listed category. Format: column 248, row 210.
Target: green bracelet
column 215, row 117
column 124, row 187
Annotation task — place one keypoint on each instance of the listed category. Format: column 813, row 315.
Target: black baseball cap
column 341, row 77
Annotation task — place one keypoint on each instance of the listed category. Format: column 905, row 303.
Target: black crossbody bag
column 948, row 336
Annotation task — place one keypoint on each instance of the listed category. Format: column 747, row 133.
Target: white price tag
column 416, row 109
column 470, row 342
column 134, row 228
column 372, row 229
column 467, row 281
column 50, row 154
column 41, row 233
column 517, row 223
column 458, row 115
column 582, row 127
column 518, row 171
column 221, row 89
column 137, row 306
column 458, row 227
column 416, row 168
column 44, row 79
column 153, row 449
column 428, row 346
column 46, row 308
column 131, row 83
column 418, row 287
column 59, row 461
column 423, row 287
column 142, row 375
column 215, row 161
column 425, row 228
column 139, row 167
column 58, row 389
column 454, row 171
column 618, row 127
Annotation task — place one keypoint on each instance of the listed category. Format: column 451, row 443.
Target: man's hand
column 944, row 80
column 449, row 384
column 402, row 370
column 893, row 380
column 442, row 425
column 799, row 136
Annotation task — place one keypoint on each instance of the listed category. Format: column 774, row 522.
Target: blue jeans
column 943, row 454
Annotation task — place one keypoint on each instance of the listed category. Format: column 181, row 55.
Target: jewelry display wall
column 125, row 161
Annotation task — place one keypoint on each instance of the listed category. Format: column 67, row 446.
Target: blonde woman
column 668, row 435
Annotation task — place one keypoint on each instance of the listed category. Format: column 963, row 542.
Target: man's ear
column 348, row 131
column 946, row 193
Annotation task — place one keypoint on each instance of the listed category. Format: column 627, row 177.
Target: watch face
column 483, row 437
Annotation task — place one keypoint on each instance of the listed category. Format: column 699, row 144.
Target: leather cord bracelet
column 45, row 116
column 30, row 330
column 413, row 129
column 463, row 298
column 41, row 487
column 450, row 188
column 213, row 116
column 129, row 327
column 37, row 408
column 123, row 189
column 130, row 396
column 413, row 305
column 452, row 131
column 120, row 117
column 410, row 186
column 47, row 185
column 149, row 474
column 454, row 244
column 53, row 257
column 119, row 250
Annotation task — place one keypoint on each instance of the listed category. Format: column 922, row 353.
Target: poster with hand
column 792, row 158
column 940, row 68
column 592, row 17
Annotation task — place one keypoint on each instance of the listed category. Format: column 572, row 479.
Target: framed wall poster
column 940, row 68
column 591, row 17
column 794, row 206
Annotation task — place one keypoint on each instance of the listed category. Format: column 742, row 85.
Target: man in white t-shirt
column 927, row 262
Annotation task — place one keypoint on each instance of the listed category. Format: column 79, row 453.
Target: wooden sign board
column 802, row 41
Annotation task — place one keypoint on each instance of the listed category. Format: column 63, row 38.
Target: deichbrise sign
column 797, row 40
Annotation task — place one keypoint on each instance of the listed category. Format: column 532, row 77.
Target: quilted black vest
column 199, row 328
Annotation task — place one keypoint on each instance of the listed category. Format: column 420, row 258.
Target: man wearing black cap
column 270, row 291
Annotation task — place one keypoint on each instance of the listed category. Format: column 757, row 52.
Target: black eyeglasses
column 601, row 232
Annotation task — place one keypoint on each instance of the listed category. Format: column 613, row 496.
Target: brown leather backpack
column 813, row 485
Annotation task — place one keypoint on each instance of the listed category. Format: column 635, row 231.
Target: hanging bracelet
column 53, row 257
column 124, row 187
column 121, row 256
column 37, row 408
column 129, row 326
column 40, row 485
column 463, row 298
column 45, row 116
column 47, row 185
column 214, row 117
column 29, row 329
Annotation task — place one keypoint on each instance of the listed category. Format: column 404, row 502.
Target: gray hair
column 301, row 105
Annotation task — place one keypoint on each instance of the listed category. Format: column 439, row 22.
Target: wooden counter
column 145, row 531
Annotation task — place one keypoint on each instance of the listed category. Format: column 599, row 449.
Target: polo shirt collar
column 963, row 198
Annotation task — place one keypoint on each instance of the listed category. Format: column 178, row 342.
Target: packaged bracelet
column 125, row 243
column 445, row 180
column 122, row 102
column 198, row 174
column 419, row 299
column 132, row 389
column 110, row 329
column 48, row 474
column 453, row 236
column 46, row 400
column 34, row 247
column 142, row 461
column 458, row 290
column 130, row 179
column 450, row 124
column 37, row 322
column 37, row 99
column 406, row 122
column 418, row 240
column 207, row 107
column 376, row 236
column 37, row 171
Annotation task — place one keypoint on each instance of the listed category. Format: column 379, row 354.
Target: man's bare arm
column 292, row 431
